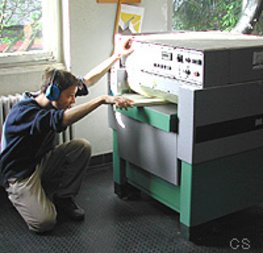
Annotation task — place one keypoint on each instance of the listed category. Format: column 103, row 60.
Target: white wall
column 90, row 32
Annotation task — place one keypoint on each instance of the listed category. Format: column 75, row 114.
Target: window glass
column 198, row 15
column 20, row 26
column 258, row 30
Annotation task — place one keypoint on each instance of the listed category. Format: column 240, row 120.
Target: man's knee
column 84, row 145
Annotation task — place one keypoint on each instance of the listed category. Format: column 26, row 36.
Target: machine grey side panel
column 149, row 148
column 228, row 102
column 216, row 68
column 186, row 124
column 225, row 121
column 228, row 146
column 233, row 111
column 246, row 65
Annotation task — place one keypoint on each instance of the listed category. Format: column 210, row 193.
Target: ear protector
column 53, row 91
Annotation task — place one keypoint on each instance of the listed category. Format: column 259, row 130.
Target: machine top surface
column 212, row 40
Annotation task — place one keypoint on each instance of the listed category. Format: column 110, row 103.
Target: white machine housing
column 215, row 80
column 161, row 63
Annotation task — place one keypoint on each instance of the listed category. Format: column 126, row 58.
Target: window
column 258, row 30
column 198, row 15
column 20, row 32
column 29, row 31
column 226, row 15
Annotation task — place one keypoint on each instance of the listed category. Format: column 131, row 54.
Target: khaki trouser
column 60, row 172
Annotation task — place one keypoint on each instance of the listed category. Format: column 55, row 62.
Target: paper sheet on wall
column 131, row 18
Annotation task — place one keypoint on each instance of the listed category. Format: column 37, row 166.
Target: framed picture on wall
column 130, row 19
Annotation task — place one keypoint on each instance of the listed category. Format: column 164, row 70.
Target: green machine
column 201, row 154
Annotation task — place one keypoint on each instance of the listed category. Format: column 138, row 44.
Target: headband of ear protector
column 53, row 91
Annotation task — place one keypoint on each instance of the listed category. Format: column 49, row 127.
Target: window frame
column 251, row 12
column 52, row 53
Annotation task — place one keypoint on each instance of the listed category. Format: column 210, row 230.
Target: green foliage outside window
column 197, row 15
column 20, row 25
column 259, row 26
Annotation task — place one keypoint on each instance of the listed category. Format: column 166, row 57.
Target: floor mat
column 113, row 225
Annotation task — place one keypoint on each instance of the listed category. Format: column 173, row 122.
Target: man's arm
column 78, row 112
column 99, row 71
column 96, row 73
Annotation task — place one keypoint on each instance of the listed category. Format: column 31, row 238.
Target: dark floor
column 113, row 225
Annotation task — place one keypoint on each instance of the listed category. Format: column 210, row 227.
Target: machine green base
column 205, row 192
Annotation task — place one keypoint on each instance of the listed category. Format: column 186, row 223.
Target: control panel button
column 180, row 58
column 187, row 72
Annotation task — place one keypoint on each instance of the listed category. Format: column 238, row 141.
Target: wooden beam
column 117, row 18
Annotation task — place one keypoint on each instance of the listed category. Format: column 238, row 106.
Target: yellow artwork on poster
column 131, row 18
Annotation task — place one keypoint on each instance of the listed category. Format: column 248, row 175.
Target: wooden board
column 140, row 100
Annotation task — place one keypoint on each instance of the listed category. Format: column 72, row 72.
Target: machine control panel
column 199, row 59
column 169, row 62
column 189, row 66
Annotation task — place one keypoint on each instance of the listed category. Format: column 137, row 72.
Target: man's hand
column 123, row 45
column 123, row 48
column 119, row 101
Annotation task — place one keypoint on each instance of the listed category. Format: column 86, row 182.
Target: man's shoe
column 68, row 207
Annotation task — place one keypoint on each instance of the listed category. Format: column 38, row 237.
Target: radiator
column 7, row 102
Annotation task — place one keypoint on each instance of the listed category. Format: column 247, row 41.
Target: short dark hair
column 62, row 78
